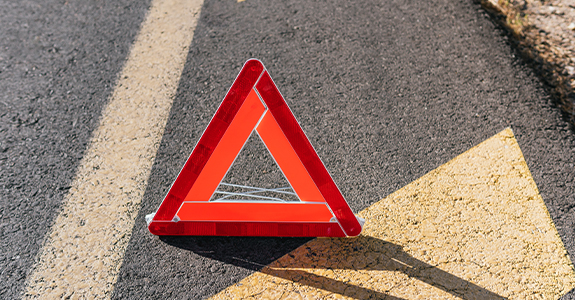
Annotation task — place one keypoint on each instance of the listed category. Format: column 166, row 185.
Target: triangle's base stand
column 278, row 229
column 254, row 103
column 247, row 229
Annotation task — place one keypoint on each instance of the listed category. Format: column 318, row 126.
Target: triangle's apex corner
column 255, row 62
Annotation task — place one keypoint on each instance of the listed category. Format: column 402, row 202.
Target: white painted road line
column 83, row 251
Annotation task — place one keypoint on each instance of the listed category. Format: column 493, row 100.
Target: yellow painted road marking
column 474, row 228
column 82, row 253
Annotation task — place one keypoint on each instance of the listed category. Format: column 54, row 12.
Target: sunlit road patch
column 475, row 228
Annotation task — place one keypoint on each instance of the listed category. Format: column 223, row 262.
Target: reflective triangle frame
column 254, row 103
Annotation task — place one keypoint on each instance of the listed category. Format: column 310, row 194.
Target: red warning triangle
column 254, row 103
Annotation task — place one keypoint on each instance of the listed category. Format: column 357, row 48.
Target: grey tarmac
column 386, row 92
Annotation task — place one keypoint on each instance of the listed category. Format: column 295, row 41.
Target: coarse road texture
column 387, row 92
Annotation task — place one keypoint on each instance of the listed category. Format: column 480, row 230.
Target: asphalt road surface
column 387, row 91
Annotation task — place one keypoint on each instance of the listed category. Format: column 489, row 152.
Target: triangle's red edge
column 252, row 75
